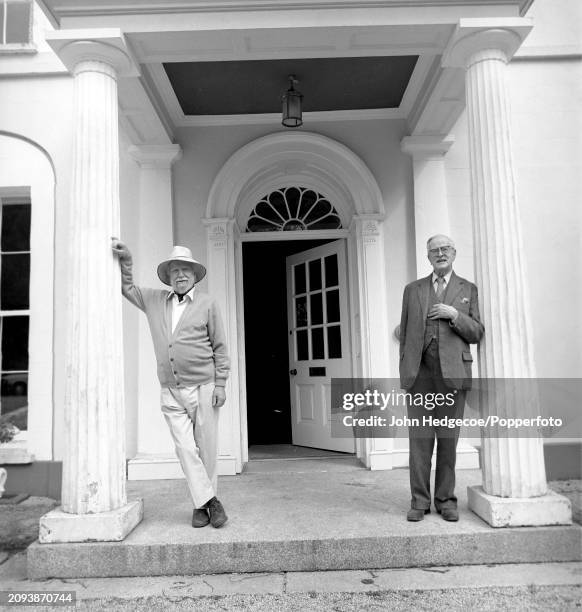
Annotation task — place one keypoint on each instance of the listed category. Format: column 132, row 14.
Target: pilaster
column 431, row 217
column 155, row 231
column 375, row 337
column 431, row 210
column 222, row 240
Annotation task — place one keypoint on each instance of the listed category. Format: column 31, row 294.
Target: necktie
column 440, row 287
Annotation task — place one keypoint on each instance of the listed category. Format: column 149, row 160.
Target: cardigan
column 195, row 353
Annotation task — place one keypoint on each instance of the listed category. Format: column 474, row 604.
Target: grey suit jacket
column 454, row 339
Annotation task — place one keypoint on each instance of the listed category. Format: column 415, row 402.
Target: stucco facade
column 168, row 171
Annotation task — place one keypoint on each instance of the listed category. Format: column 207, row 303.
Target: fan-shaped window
column 293, row 209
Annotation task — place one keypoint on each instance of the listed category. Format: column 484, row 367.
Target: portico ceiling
column 328, row 84
column 225, row 62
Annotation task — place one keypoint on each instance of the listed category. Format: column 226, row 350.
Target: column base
column 380, row 460
column 146, row 466
column 58, row 527
column 550, row 509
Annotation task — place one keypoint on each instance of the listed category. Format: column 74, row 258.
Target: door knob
column 293, row 372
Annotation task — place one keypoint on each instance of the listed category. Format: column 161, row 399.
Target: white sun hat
column 182, row 254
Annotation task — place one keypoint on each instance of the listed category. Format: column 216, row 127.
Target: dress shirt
column 447, row 278
column 179, row 307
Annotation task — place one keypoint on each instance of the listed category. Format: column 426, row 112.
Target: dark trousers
column 422, row 438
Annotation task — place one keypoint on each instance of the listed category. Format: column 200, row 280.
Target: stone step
column 286, row 521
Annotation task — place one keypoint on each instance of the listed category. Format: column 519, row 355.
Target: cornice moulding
column 74, row 8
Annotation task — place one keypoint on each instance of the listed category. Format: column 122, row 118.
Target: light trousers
column 193, row 423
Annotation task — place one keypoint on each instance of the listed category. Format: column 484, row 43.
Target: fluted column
column 94, row 504
column 93, row 471
column 513, row 468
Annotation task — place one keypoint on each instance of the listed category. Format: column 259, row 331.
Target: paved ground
column 551, row 586
column 547, row 586
column 543, row 599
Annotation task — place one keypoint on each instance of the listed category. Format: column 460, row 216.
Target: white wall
column 205, row 150
column 557, row 28
column 546, row 91
column 547, row 137
column 20, row 102
column 19, row 114
column 546, row 98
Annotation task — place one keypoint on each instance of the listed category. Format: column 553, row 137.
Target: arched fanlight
column 292, row 102
column 293, row 209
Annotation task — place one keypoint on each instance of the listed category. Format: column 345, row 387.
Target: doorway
column 266, row 340
column 266, row 344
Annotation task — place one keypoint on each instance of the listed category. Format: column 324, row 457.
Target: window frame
column 17, row 47
column 16, row 312
column 27, row 170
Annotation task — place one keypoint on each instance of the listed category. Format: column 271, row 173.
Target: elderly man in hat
column 193, row 365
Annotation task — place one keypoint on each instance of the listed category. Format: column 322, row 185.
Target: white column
column 221, row 262
column 514, row 488
column 94, row 504
column 431, row 216
column 371, row 319
column 155, row 235
column 431, row 208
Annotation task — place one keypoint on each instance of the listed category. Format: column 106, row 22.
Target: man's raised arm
column 128, row 289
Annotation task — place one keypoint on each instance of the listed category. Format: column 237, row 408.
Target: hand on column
column 120, row 249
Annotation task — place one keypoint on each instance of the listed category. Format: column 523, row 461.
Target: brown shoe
column 217, row 514
column 200, row 517
column 417, row 514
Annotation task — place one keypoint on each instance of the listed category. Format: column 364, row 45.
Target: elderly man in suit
column 440, row 318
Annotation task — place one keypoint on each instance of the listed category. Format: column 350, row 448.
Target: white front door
column 317, row 312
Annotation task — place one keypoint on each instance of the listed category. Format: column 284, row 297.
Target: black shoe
column 200, row 517
column 449, row 514
column 417, row 514
column 217, row 514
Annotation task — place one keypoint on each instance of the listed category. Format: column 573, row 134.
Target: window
column 293, row 209
column 15, row 23
column 316, row 296
column 15, row 216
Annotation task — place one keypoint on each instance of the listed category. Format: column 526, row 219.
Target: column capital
column 156, row 156
column 367, row 225
column 498, row 38
column 427, row 147
column 107, row 45
column 219, row 231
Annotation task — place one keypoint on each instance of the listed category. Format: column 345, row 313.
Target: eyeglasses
column 445, row 250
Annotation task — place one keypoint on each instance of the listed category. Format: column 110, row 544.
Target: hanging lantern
column 292, row 101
